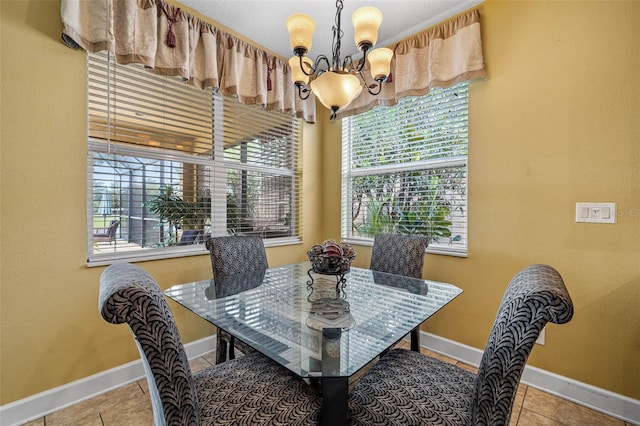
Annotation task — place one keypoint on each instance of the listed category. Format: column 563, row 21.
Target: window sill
column 440, row 250
column 104, row 259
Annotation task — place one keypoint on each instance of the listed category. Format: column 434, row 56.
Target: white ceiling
column 263, row 21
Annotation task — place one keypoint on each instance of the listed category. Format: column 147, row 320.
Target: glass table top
column 315, row 325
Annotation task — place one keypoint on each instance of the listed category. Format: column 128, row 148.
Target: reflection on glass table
column 318, row 331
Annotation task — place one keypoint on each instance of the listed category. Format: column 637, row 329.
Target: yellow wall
column 555, row 123
column 51, row 331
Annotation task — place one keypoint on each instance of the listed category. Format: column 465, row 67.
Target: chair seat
column 252, row 390
column 409, row 388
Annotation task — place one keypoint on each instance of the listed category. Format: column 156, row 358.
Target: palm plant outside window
column 178, row 164
column 405, row 170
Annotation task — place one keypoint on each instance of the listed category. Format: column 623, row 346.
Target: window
column 170, row 165
column 405, row 170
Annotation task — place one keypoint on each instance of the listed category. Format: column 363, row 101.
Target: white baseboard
column 598, row 399
column 44, row 403
column 39, row 405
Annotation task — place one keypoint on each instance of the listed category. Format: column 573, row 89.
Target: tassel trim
column 171, row 35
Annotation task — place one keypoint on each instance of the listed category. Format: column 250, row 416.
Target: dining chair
column 248, row 390
column 409, row 388
column 400, row 255
column 232, row 256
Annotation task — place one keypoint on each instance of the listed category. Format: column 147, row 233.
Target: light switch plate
column 596, row 212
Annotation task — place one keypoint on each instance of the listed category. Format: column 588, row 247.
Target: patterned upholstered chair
column 232, row 256
column 400, row 255
column 429, row 391
column 248, row 390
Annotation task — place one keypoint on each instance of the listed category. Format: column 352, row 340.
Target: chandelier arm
column 364, row 59
column 347, row 64
column 373, row 86
column 376, row 85
column 317, row 69
column 303, row 91
column 303, row 65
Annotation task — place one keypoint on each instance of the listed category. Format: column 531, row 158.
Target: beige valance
column 169, row 41
column 440, row 56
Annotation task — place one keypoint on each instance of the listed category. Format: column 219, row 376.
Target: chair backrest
column 130, row 295
column 232, row 255
column 410, row 284
column 399, row 254
column 227, row 285
column 535, row 296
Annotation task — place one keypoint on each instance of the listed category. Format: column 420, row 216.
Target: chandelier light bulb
column 366, row 22
column 335, row 90
column 301, row 28
column 298, row 76
column 380, row 62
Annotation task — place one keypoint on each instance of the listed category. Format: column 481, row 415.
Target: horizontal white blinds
column 419, row 129
column 147, row 109
column 405, row 169
column 174, row 165
column 254, row 136
column 260, row 163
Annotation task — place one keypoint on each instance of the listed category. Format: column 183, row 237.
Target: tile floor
column 129, row 405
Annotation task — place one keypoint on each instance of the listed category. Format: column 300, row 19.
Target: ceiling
column 263, row 21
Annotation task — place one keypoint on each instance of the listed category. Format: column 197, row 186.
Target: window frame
column 351, row 172
column 217, row 177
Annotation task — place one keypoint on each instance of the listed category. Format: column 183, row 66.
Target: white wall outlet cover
column 596, row 212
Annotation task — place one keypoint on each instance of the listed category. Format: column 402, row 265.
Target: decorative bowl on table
column 331, row 258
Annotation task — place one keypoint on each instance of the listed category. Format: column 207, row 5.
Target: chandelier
column 337, row 82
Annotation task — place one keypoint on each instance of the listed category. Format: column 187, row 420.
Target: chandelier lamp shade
column 335, row 81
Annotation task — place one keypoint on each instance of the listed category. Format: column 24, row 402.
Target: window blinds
column 259, row 154
column 128, row 105
column 176, row 164
column 405, row 169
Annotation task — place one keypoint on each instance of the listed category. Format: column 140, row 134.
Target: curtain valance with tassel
column 168, row 41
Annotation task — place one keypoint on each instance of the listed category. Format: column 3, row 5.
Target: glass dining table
column 321, row 327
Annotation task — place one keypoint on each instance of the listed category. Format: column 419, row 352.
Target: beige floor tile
column 467, row 367
column 128, row 405
column 81, row 414
column 134, row 412
column 529, row 418
column 198, row 364
column 36, row 422
column 517, row 405
column 210, row 357
column 403, row 344
column 144, row 385
column 564, row 411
